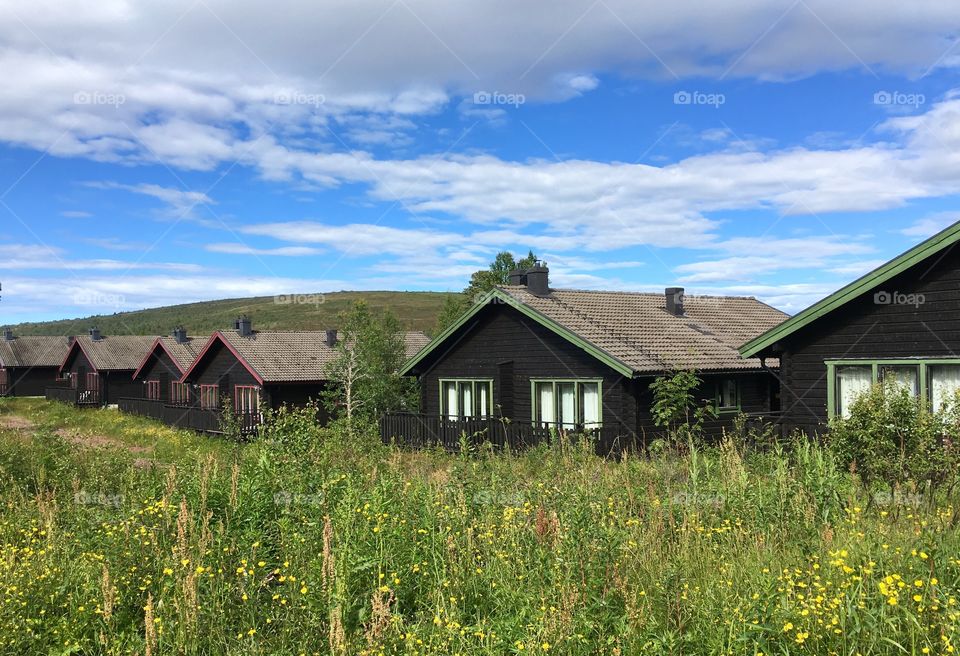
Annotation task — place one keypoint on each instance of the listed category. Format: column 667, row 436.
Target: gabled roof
column 633, row 333
column 287, row 357
column 182, row 355
column 33, row 351
column 112, row 352
column 939, row 242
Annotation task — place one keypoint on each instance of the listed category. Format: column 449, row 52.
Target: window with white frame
column 567, row 404
column 466, row 399
column 728, row 395
column 943, row 382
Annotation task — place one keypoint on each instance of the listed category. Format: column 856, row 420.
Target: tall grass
column 337, row 544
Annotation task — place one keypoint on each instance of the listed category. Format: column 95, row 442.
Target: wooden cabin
column 532, row 359
column 165, row 364
column 901, row 320
column 30, row 364
column 100, row 368
column 248, row 369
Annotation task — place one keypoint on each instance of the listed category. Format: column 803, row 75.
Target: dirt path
column 16, row 422
column 99, row 441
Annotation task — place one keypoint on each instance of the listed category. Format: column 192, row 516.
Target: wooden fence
column 190, row 417
column 73, row 396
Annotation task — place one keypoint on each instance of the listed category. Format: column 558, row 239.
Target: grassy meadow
column 119, row 536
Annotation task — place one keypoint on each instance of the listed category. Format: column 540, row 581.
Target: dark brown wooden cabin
column 100, row 368
column 162, row 368
column 249, row 369
column 535, row 359
column 30, row 364
column 901, row 320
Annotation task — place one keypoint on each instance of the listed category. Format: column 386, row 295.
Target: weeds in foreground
column 330, row 545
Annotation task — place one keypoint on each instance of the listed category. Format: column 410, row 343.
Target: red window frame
column 73, row 379
column 93, row 381
column 3, row 376
column 153, row 390
column 210, row 397
column 179, row 393
column 246, row 399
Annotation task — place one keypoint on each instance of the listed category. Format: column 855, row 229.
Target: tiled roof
column 33, row 351
column 116, row 352
column 637, row 330
column 184, row 354
column 281, row 357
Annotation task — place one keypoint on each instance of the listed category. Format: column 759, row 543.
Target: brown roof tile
column 637, row 330
column 33, row 351
column 281, row 357
column 184, row 354
column 116, row 352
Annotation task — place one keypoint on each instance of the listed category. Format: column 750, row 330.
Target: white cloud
column 931, row 225
column 45, row 258
column 75, row 214
column 243, row 249
column 181, row 202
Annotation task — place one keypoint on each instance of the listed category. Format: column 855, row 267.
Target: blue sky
column 152, row 155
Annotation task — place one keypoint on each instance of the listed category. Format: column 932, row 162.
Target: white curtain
column 483, row 399
column 466, row 393
column 591, row 404
column 545, row 403
column 568, row 404
column 450, row 392
column 905, row 376
column 851, row 383
column 944, row 383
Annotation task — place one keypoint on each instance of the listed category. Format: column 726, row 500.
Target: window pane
column 568, row 404
column 944, row 384
column 590, row 402
column 450, row 400
column 466, row 399
column 851, row 383
column 483, row 399
column 544, row 394
column 905, row 376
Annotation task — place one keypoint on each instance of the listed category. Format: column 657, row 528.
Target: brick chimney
column 674, row 298
column 95, row 334
column 244, row 326
column 331, row 338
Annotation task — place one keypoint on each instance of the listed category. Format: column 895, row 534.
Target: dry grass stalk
column 149, row 629
column 338, row 637
column 109, row 594
column 380, row 615
column 328, row 570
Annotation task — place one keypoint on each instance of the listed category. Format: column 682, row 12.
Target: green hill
column 416, row 310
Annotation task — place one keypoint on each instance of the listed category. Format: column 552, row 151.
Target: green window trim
column 922, row 363
column 578, row 411
column 478, row 413
column 718, row 397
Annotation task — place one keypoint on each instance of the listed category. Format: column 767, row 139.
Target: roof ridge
column 653, row 356
column 630, row 292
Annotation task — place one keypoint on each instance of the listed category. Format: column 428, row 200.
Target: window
column 466, row 399
column 93, row 382
column 852, row 381
column 179, row 393
column 944, row 383
column 935, row 380
column 567, row 404
column 246, row 399
column 903, row 376
column 153, row 390
column 209, row 397
column 728, row 395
